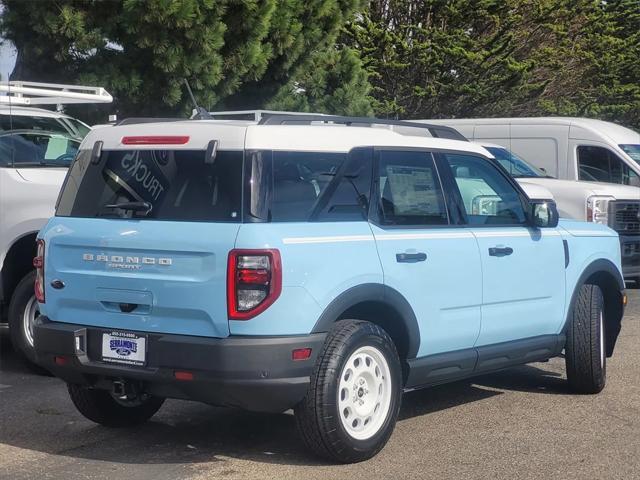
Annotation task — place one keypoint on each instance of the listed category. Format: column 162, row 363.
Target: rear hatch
column 141, row 238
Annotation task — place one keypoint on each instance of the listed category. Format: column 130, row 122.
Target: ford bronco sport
column 324, row 266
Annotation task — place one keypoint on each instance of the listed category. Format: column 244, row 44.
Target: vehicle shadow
column 9, row 361
column 192, row 433
column 531, row 378
column 525, row 378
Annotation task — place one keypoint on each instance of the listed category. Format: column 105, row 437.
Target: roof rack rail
column 254, row 115
column 136, row 120
column 36, row 93
column 438, row 131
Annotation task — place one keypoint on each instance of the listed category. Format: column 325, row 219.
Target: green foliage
column 456, row 58
column 334, row 82
column 603, row 49
column 235, row 53
column 467, row 58
column 398, row 58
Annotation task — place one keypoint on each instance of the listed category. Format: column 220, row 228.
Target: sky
column 7, row 59
column 7, row 56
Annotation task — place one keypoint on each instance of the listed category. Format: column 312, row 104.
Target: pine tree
column 598, row 71
column 234, row 53
column 471, row 58
column 433, row 58
column 333, row 82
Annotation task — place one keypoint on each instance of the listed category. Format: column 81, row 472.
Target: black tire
column 318, row 416
column 22, row 297
column 585, row 350
column 101, row 407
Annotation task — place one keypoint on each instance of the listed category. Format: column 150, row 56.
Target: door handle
column 500, row 251
column 411, row 257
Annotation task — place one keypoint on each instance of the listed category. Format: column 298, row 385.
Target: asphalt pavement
column 516, row 424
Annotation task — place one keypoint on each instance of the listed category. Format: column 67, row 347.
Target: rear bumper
column 253, row 373
column 630, row 249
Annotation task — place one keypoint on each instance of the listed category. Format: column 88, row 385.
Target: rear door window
column 177, row 184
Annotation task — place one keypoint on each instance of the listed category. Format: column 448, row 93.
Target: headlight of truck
column 485, row 205
column 598, row 209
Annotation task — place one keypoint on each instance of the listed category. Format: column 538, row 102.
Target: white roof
column 238, row 135
column 230, row 134
column 340, row 138
column 617, row 133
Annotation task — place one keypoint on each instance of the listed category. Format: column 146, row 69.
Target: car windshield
column 33, row 122
column 633, row 151
column 515, row 165
column 80, row 129
column 28, row 148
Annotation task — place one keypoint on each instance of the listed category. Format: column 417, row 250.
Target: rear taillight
column 38, row 263
column 254, row 282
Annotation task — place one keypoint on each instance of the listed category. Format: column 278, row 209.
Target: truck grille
column 626, row 217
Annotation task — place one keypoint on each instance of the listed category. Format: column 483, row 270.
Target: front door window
column 598, row 164
column 487, row 196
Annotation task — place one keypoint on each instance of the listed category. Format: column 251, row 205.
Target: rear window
column 177, row 184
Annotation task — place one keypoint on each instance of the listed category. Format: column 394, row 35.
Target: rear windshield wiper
column 144, row 207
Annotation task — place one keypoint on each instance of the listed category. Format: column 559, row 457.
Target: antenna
column 199, row 112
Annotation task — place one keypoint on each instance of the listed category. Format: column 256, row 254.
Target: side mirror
column 544, row 214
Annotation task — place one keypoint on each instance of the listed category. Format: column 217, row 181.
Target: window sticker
column 413, row 190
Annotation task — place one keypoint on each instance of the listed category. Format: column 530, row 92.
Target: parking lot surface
column 519, row 423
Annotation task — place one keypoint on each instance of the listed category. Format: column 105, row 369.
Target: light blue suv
column 324, row 264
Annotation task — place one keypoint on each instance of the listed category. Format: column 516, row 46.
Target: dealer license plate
column 124, row 347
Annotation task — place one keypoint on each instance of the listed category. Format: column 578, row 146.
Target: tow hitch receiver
column 124, row 389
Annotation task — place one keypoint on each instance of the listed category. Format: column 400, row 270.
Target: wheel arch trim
column 5, row 263
column 615, row 308
column 378, row 293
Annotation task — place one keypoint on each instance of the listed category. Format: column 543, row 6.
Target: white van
column 566, row 148
column 589, row 155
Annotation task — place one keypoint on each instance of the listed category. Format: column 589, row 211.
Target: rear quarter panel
column 319, row 262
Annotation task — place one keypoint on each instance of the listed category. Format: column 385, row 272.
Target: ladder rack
column 36, row 93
